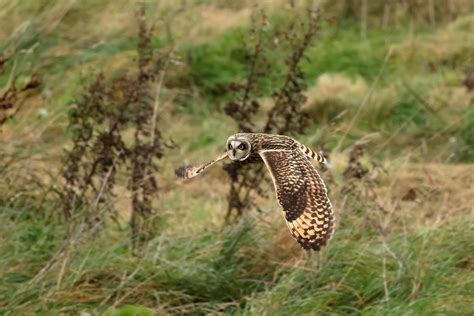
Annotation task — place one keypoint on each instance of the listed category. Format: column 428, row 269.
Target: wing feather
column 303, row 196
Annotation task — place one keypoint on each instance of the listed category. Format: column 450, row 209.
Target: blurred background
column 101, row 100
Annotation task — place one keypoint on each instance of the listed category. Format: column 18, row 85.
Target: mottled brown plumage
column 299, row 188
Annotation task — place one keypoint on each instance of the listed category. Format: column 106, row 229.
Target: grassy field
column 396, row 79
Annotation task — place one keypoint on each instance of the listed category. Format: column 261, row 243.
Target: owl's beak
column 233, row 152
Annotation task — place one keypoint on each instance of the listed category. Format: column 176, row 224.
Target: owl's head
column 238, row 147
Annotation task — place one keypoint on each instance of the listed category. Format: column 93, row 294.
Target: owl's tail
column 319, row 157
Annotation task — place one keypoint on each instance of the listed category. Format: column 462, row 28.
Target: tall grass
column 421, row 272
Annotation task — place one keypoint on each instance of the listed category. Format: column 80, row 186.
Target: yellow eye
column 241, row 146
column 229, row 146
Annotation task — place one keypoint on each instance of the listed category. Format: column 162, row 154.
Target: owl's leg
column 190, row 171
column 313, row 155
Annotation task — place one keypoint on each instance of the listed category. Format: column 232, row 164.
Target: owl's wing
column 302, row 194
column 190, row 171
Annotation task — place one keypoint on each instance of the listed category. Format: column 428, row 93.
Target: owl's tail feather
column 190, row 171
column 319, row 157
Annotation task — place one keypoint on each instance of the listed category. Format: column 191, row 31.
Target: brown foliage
column 100, row 121
column 361, row 180
column 11, row 99
column 284, row 117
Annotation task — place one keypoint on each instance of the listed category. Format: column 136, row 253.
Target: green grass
column 424, row 272
column 466, row 151
column 352, row 276
column 213, row 66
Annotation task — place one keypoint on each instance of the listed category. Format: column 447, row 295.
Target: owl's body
column 299, row 188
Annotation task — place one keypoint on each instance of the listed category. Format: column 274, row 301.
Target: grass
column 214, row 65
column 424, row 271
column 364, row 277
column 466, row 153
column 400, row 90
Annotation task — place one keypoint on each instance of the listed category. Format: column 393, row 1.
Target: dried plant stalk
column 101, row 118
column 284, row 117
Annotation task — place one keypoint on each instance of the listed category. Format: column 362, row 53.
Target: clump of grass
column 371, row 277
column 466, row 151
column 213, row 66
column 407, row 111
column 213, row 270
column 385, row 14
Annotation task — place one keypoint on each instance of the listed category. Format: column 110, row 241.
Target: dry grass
column 452, row 41
column 426, row 195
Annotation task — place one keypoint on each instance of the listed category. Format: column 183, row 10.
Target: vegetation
column 99, row 123
column 385, row 87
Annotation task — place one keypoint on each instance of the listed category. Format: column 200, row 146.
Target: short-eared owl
column 299, row 188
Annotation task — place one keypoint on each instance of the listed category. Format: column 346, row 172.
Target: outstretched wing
column 190, row 171
column 302, row 194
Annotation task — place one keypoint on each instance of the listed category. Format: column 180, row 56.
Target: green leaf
column 129, row 310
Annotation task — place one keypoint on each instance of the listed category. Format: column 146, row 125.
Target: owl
column 299, row 189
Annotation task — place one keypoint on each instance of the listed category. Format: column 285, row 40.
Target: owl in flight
column 299, row 188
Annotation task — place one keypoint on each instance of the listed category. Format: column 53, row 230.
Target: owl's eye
column 229, row 146
column 241, row 147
